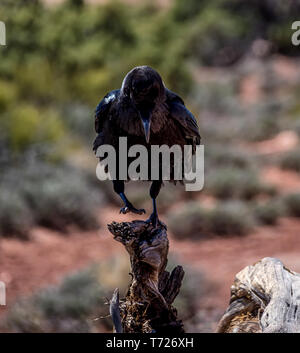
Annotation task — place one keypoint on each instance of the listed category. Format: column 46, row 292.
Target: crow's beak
column 146, row 125
column 146, row 121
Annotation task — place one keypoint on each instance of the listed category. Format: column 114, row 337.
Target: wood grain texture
column 115, row 312
column 265, row 297
column 147, row 306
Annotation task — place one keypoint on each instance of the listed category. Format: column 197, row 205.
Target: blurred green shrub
column 226, row 28
column 25, row 125
column 231, row 218
column 261, row 127
column 215, row 36
column 195, row 222
column 218, row 155
column 219, row 97
column 76, row 117
column 183, row 11
column 53, row 196
column 269, row 212
column 63, row 199
column 68, row 307
column 15, row 216
column 229, row 183
column 292, row 204
column 8, row 95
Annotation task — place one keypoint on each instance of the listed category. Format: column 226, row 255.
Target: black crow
column 147, row 113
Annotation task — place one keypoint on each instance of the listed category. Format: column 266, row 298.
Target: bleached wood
column 115, row 312
column 265, row 297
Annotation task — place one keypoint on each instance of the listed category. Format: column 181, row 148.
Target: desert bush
column 55, row 196
column 8, row 94
column 218, row 130
column 194, row 221
column 63, row 197
column 230, row 183
column 69, row 307
column 268, row 212
column 291, row 161
column 60, row 202
column 218, row 155
column 261, row 128
column 236, row 25
column 221, row 33
column 231, row 218
column 75, row 116
column 218, row 97
column 292, row 204
column 188, row 10
column 26, row 125
column 15, row 216
column 263, row 121
column 59, row 302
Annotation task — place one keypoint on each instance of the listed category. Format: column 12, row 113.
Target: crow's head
column 144, row 87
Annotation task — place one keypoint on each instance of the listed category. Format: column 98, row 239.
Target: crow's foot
column 130, row 208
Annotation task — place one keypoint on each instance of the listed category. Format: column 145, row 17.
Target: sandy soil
column 285, row 181
column 283, row 142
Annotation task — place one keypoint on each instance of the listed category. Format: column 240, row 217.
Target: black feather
column 101, row 112
column 119, row 114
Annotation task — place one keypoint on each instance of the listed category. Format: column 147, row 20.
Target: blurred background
column 234, row 65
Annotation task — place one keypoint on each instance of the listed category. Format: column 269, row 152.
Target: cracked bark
column 147, row 306
column 265, row 297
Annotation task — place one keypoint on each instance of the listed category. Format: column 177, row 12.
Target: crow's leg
column 154, row 191
column 128, row 207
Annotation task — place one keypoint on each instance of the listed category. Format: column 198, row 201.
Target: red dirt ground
column 282, row 142
column 285, row 181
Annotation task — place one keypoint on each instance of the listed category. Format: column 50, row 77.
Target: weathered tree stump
column 265, row 297
column 147, row 306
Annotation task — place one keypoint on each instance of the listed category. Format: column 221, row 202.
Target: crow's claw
column 155, row 221
column 130, row 208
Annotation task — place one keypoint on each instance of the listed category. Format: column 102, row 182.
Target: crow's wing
column 102, row 109
column 102, row 115
column 183, row 117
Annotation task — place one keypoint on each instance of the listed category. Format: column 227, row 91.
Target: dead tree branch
column 148, row 303
column 114, row 310
column 265, row 297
